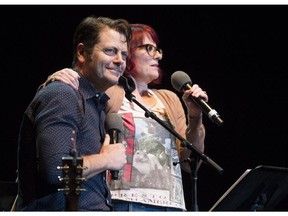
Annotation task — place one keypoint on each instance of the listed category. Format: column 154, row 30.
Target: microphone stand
column 184, row 143
column 194, row 177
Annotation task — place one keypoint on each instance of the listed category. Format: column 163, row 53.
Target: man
column 63, row 122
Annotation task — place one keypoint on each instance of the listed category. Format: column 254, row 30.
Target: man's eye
column 124, row 56
column 110, row 52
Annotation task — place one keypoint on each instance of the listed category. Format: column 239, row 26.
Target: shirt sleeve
column 57, row 114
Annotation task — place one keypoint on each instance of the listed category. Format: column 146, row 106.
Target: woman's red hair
column 139, row 32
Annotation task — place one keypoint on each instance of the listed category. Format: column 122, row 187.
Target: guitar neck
column 72, row 203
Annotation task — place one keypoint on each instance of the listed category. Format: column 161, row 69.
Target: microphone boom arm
column 184, row 142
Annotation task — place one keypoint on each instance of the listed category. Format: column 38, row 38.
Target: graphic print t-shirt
column 149, row 176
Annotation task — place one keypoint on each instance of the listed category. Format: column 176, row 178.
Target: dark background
column 237, row 53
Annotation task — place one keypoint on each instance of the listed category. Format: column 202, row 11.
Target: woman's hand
column 65, row 75
column 193, row 109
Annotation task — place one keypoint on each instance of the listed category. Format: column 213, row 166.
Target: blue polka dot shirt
column 45, row 137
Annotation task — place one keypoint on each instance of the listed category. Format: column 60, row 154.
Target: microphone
column 129, row 86
column 114, row 126
column 181, row 82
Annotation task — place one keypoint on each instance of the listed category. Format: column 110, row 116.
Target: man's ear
column 81, row 52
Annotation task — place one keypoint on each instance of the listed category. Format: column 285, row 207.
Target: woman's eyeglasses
column 151, row 50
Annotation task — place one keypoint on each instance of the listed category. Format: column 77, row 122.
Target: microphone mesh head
column 114, row 121
column 127, row 83
column 179, row 79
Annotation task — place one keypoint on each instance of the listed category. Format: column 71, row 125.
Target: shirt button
column 97, row 95
column 107, row 201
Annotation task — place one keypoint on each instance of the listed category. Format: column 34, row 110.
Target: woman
column 149, row 181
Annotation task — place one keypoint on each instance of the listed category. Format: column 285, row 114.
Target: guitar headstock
column 71, row 175
column 72, row 169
